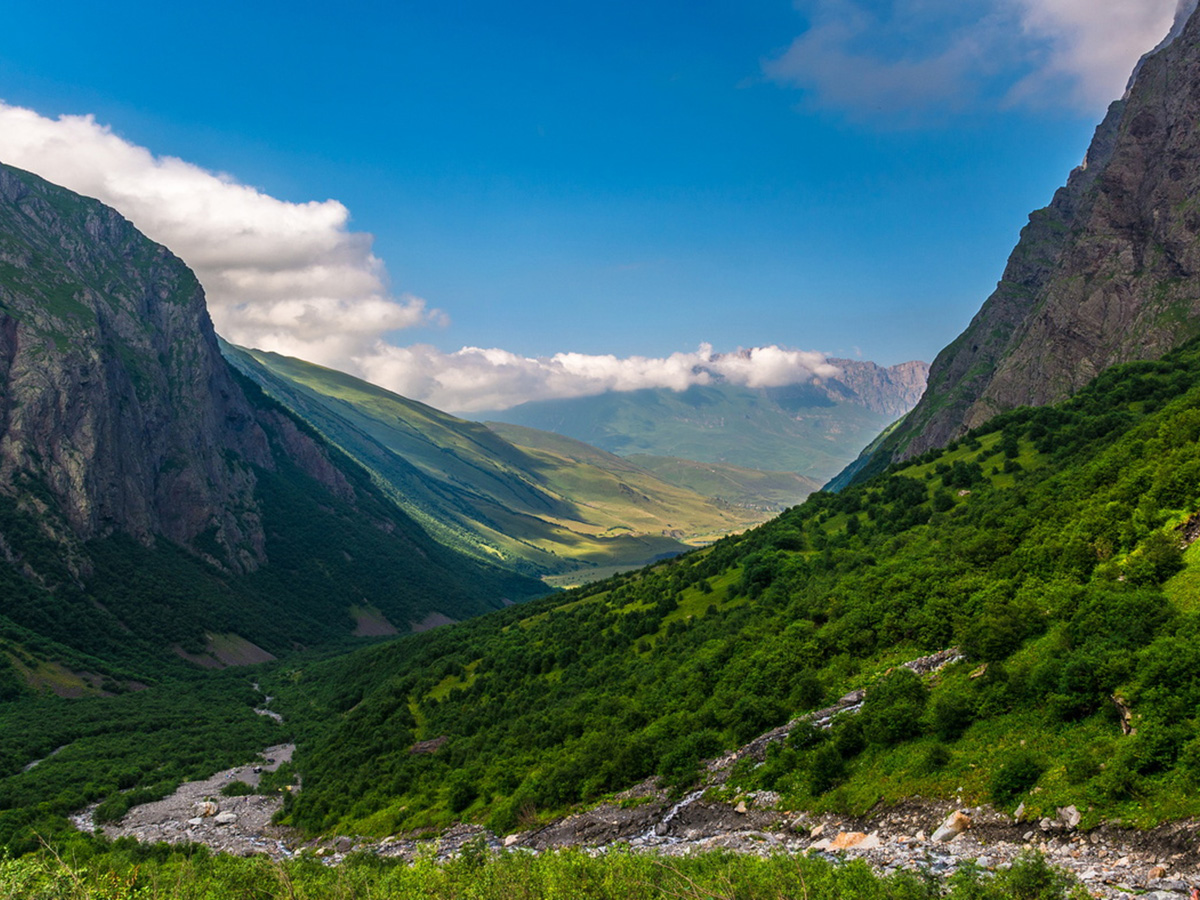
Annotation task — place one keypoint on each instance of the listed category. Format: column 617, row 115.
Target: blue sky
column 625, row 179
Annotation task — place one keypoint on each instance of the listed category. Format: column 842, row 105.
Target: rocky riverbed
column 1160, row 864
column 919, row 834
column 198, row 813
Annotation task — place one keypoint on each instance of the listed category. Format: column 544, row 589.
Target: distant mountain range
column 810, row 429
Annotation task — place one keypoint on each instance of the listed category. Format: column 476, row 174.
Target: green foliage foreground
column 158, row 874
column 1046, row 545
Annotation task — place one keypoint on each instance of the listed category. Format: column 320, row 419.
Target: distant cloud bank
column 905, row 59
column 292, row 278
column 474, row 379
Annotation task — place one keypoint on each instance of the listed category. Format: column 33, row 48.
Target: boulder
column 956, row 823
column 847, row 839
column 225, row 818
column 1069, row 816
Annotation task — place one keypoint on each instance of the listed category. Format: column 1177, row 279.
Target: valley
column 793, row 625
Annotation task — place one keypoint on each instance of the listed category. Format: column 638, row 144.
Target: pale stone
column 1070, row 816
column 847, row 839
column 510, row 840
column 225, row 818
column 956, row 823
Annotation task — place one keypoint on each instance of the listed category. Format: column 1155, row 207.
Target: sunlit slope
column 543, row 509
column 1046, row 545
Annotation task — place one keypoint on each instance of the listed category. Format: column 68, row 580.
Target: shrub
column 892, row 710
column 1013, row 778
column 949, row 715
column 236, row 789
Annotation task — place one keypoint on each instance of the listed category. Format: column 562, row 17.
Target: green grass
column 190, row 874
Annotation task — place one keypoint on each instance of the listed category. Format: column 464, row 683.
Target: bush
column 949, row 715
column 1014, row 778
column 892, row 710
column 236, row 789
column 935, row 759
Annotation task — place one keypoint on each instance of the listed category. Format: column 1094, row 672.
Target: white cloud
column 474, row 379
column 1092, row 46
column 290, row 277
column 916, row 57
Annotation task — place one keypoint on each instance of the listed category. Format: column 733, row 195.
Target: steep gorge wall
column 1109, row 272
column 116, row 406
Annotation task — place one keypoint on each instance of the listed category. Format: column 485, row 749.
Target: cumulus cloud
column 474, row 379
column 294, row 279
column 909, row 58
column 291, row 277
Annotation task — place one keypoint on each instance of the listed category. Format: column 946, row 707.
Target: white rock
column 199, row 820
column 510, row 840
column 956, row 823
column 225, row 818
column 1070, row 816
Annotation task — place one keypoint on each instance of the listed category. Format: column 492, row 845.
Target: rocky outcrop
column 1109, row 272
column 114, row 399
column 893, row 390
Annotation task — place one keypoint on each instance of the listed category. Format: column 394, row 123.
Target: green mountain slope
column 1046, row 545
column 794, row 429
column 534, row 502
column 155, row 507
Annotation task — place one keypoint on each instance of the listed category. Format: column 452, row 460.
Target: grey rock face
column 117, row 411
column 1109, row 272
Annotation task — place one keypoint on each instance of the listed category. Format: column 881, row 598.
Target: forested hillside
column 1047, row 545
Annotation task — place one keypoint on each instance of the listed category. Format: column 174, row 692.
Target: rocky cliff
column 113, row 395
column 891, row 390
column 125, row 437
column 1109, row 272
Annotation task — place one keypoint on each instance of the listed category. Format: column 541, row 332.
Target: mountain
column 1033, row 520
column 1108, row 272
column 1044, row 552
column 154, row 505
column 532, row 501
column 811, row 429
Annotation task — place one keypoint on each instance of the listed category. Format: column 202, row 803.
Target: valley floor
column 1161, row 863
